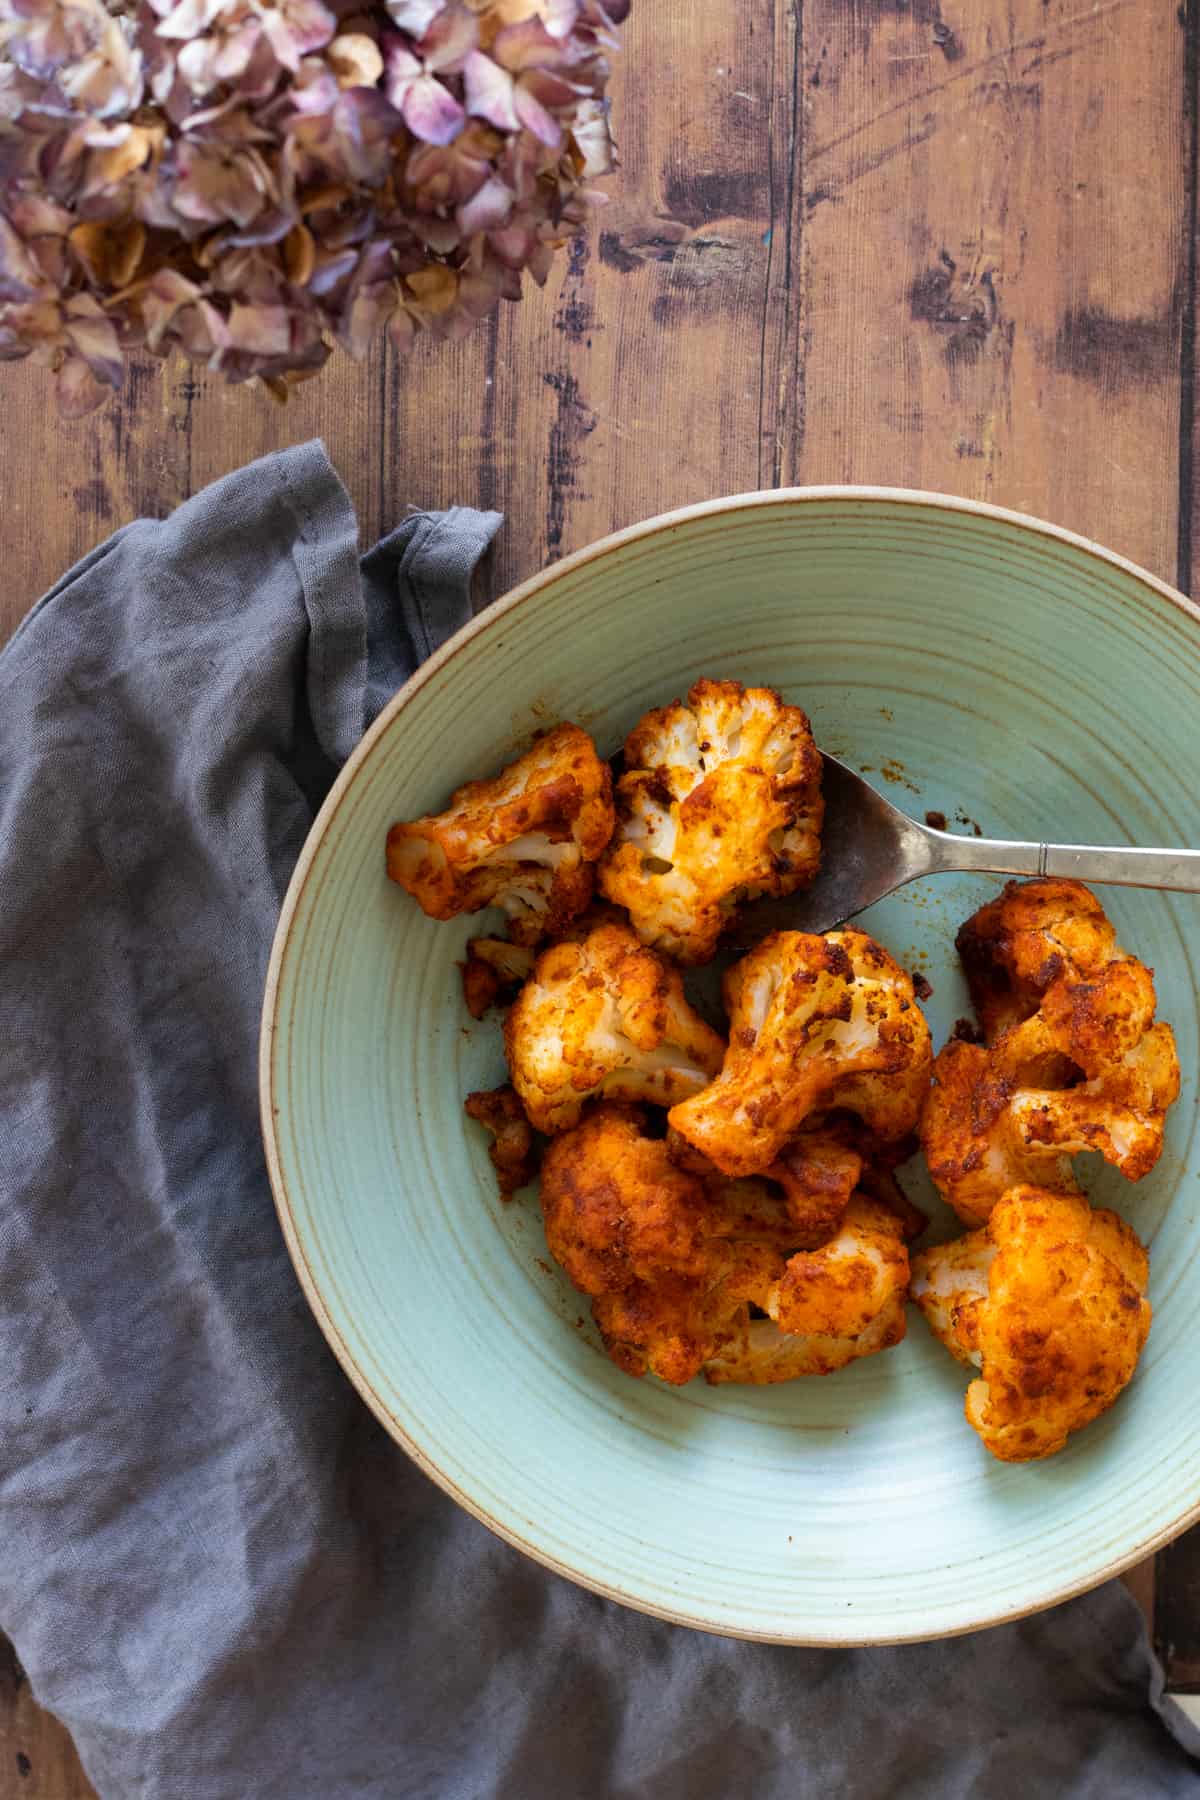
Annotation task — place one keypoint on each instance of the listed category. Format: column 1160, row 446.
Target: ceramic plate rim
column 269, row 1107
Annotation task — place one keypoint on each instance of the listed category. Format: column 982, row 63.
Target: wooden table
column 945, row 246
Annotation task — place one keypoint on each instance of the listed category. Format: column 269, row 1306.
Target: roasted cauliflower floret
column 512, row 1149
column 972, row 1139
column 1020, row 946
column 815, row 1023
column 674, row 1260
column 818, row 1171
column 526, row 841
column 720, row 802
column 603, row 1016
column 1047, row 1301
column 632, row 1229
column 1074, row 1061
column 493, row 972
column 829, row 1307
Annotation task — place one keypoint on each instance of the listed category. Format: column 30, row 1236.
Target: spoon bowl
column 869, row 848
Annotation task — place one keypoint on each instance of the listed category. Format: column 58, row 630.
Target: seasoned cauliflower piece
column 972, row 1138
column 493, row 972
column 1018, row 949
column 674, row 1259
column 720, row 802
column 1074, row 1061
column 1047, row 1301
column 818, row 1171
column 815, row 1023
column 641, row 1236
column 512, row 1149
column 603, row 1016
column 526, row 841
column 829, row 1307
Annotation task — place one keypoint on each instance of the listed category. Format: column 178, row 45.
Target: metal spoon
column 869, row 848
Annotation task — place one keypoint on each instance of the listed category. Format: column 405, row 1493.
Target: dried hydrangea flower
column 253, row 182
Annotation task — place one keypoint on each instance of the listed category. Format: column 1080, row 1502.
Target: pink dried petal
column 550, row 89
column 34, row 215
column 541, row 262
column 353, row 139
column 533, row 115
column 439, row 235
column 527, row 46
column 451, row 37
column 108, row 82
column 264, row 330
column 413, row 16
column 20, row 277
column 161, row 301
column 402, row 68
column 77, row 390
column 34, row 329
column 211, row 185
column 490, row 92
column 270, row 227
column 560, row 17
column 91, row 334
column 202, row 331
column 330, row 270
column 402, row 330
column 487, row 209
column 315, row 87
column 520, row 164
column 514, row 244
column 54, row 36
column 296, row 29
column 593, row 138
column 430, row 110
column 445, row 175
column 206, row 62
column 190, row 18
column 479, row 291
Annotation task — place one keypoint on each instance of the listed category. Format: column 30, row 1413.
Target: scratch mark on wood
column 834, row 188
column 968, row 72
column 573, row 422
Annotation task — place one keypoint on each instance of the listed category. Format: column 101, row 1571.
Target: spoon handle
column 1122, row 866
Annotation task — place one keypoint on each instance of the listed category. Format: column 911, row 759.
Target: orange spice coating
column 526, row 840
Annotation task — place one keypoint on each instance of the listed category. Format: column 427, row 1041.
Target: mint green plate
column 975, row 662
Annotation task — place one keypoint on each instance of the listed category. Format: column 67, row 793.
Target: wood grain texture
column 916, row 242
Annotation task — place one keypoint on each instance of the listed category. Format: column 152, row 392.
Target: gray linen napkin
column 217, row 1569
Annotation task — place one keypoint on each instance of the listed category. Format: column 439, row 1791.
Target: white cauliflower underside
column 720, row 802
column 602, row 1016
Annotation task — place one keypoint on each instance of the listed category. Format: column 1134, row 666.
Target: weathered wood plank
column 995, row 256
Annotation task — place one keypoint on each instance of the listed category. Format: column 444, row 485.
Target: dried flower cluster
column 255, row 181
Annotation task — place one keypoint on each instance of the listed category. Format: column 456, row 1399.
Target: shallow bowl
column 973, row 662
